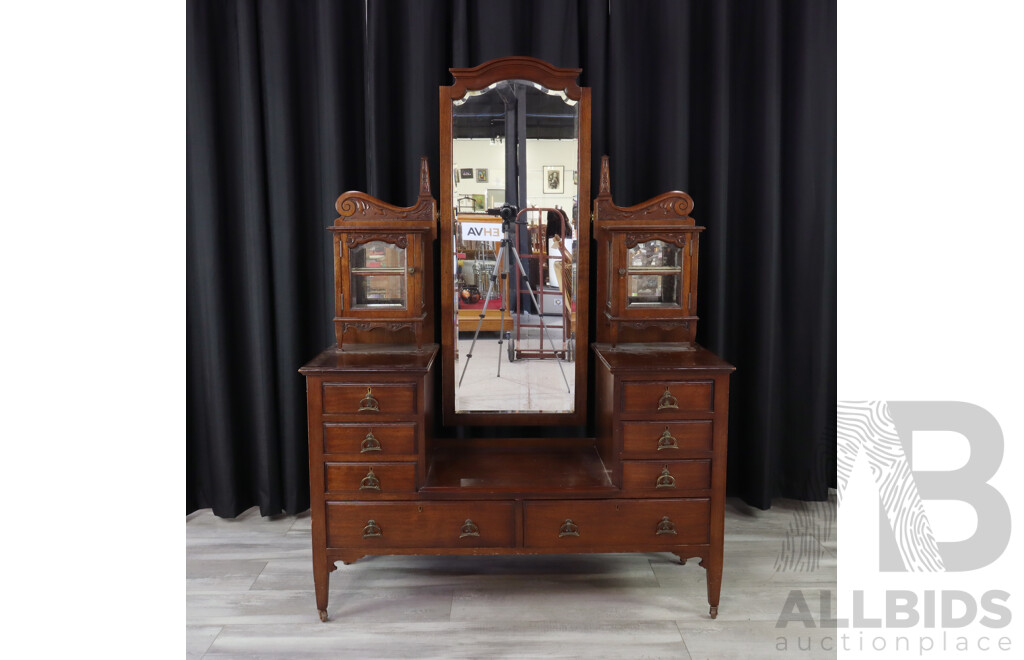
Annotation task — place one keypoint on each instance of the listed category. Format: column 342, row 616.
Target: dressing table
column 390, row 473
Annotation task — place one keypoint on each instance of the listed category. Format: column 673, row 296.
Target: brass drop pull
column 370, row 443
column 371, row 530
column 666, row 441
column 370, row 404
column 666, row 526
column 469, row 528
column 666, row 480
column 370, row 482
column 568, row 528
column 668, row 401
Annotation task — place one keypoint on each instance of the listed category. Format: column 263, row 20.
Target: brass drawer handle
column 568, row 528
column 370, row 443
column 370, row 482
column 469, row 528
column 371, row 530
column 666, row 480
column 666, row 526
column 369, row 403
column 667, row 401
column 666, row 441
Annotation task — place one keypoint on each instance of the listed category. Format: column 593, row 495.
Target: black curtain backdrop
column 291, row 104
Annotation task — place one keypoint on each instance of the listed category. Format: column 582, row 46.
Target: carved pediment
column 673, row 206
column 361, row 206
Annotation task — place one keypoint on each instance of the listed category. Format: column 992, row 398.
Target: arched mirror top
column 480, row 77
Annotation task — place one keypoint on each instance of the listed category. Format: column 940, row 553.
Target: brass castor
column 323, row 615
column 714, row 612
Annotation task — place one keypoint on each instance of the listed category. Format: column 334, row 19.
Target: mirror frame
column 478, row 78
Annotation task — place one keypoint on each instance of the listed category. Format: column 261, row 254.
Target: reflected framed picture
column 481, row 175
column 478, row 202
column 495, row 197
column 553, row 183
column 466, row 172
column 575, row 178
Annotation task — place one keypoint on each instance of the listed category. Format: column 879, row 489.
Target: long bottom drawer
column 420, row 524
column 575, row 524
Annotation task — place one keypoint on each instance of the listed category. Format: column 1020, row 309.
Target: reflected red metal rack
column 543, row 259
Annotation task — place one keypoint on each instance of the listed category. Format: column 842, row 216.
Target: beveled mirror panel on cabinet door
column 515, row 135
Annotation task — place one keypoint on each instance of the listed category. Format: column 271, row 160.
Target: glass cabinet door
column 654, row 276
column 377, row 276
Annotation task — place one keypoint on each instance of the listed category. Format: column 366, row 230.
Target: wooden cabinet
column 380, row 257
column 396, row 467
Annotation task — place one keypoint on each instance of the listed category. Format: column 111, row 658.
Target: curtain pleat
column 290, row 104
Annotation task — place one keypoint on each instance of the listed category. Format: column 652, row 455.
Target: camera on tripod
column 507, row 211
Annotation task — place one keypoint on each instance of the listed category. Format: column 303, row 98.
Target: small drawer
column 665, row 439
column 665, row 477
column 626, row 525
column 370, row 399
column 421, row 525
column 370, row 440
column 667, row 398
column 370, row 478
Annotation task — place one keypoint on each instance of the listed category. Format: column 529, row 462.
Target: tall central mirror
column 514, row 241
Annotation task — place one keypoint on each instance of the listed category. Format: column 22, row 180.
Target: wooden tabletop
column 649, row 357
column 372, row 357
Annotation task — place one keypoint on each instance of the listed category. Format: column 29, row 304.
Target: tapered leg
column 713, row 565
column 321, row 584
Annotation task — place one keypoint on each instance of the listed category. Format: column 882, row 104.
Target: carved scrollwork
column 361, row 206
column 672, row 204
column 398, row 240
column 662, row 324
column 392, row 326
column 668, row 206
column 632, row 239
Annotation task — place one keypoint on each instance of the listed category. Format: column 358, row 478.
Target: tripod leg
column 483, row 312
column 540, row 317
column 501, row 326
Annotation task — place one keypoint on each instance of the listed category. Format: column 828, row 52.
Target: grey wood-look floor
column 249, row 594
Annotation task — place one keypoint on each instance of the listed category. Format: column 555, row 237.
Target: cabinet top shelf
column 654, row 356
column 373, row 358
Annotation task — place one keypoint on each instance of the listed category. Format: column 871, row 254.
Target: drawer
column 664, row 398
column 665, row 477
column 370, row 479
column 662, row 440
column 616, row 524
column 370, row 440
column 421, row 525
column 370, row 399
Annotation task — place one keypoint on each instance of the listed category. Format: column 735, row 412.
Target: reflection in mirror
column 515, row 143
column 655, row 274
